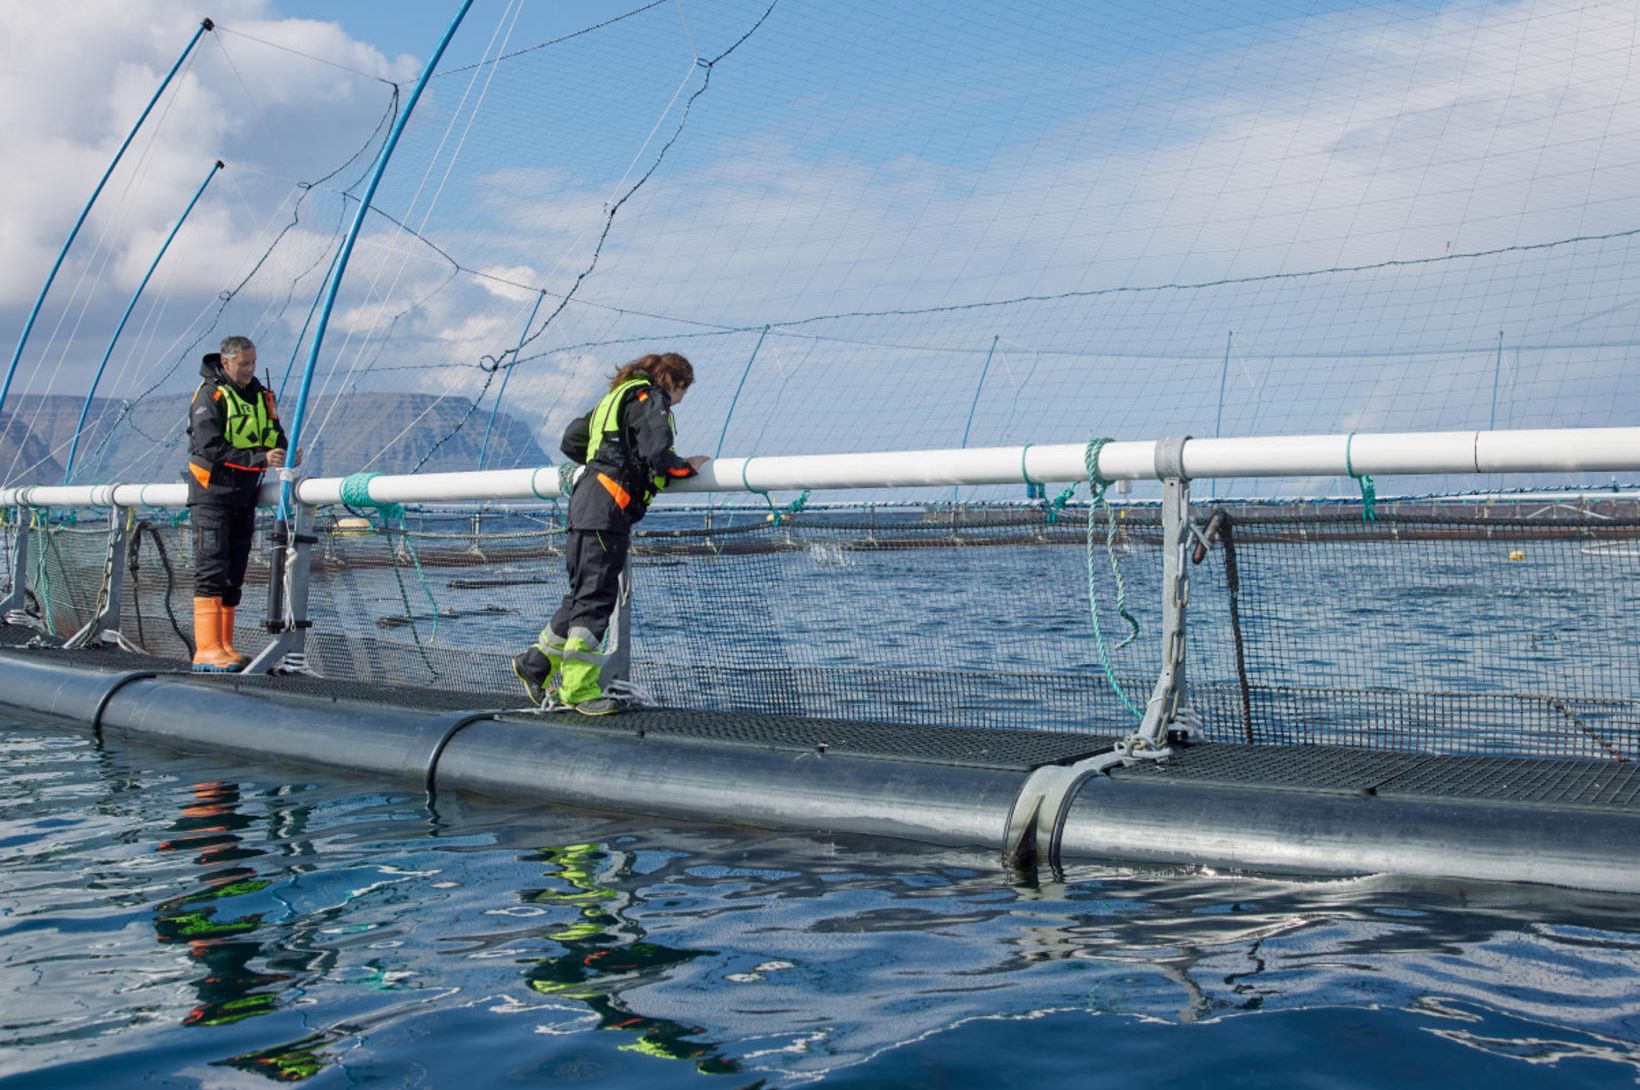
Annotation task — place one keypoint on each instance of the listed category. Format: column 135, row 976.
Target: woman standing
column 625, row 443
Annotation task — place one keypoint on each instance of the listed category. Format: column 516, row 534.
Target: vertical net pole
column 339, row 268
column 91, row 392
column 979, row 387
column 28, row 326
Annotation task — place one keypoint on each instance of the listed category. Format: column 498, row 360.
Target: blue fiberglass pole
column 28, row 326
column 68, row 469
column 484, row 449
column 340, row 267
column 1224, row 377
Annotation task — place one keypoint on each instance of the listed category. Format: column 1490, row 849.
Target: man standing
column 233, row 438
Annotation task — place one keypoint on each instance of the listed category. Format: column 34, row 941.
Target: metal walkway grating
column 1326, row 769
column 1601, row 785
column 408, row 697
column 1540, row 782
column 1019, row 750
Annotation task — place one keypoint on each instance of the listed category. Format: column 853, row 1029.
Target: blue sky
column 1226, row 218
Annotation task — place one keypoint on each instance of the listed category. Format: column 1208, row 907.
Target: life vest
column 606, row 424
column 249, row 423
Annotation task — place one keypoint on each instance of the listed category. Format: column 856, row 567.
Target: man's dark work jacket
column 626, row 445
column 230, row 431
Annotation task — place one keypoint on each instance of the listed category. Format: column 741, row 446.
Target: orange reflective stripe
column 218, row 395
column 686, row 471
column 201, row 474
column 615, row 490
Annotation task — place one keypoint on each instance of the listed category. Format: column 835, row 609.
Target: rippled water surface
column 182, row 921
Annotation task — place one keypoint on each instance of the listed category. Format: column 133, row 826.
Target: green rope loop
column 179, row 517
column 356, row 493
column 778, row 514
column 1369, row 491
column 1097, row 484
column 1034, row 490
column 1052, row 507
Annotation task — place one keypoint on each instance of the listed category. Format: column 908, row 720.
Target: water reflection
column 602, row 954
column 309, row 931
column 211, row 921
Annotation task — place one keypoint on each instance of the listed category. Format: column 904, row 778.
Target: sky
column 1031, row 221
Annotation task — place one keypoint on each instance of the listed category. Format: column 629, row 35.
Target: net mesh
column 888, row 228
column 1474, row 626
column 885, row 227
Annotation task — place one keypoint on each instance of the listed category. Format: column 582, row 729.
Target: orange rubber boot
column 209, row 655
column 239, row 657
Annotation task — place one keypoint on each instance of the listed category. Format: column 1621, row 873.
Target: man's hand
column 276, row 458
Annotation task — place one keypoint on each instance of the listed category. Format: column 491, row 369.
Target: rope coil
column 1098, row 485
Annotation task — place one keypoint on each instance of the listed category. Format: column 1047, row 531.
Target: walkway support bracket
column 16, row 600
column 1168, row 709
column 289, row 577
column 1036, row 823
column 106, row 623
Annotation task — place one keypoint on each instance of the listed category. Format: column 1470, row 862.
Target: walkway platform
column 1316, row 809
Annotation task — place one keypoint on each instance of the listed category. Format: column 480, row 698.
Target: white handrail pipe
column 1456, row 453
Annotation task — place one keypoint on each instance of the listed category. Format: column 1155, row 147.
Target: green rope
column 1037, row 490
column 1369, row 491
column 1097, row 485
column 356, row 493
column 1034, row 490
column 42, row 572
column 777, row 513
column 566, row 487
column 1051, row 508
column 180, row 517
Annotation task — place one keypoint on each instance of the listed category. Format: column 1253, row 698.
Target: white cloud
column 73, row 79
column 1344, row 139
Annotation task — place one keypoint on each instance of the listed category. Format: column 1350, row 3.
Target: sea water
column 170, row 920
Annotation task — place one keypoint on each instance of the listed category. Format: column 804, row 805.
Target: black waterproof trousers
column 594, row 559
column 222, row 547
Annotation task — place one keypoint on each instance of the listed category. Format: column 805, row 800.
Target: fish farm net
column 1473, row 626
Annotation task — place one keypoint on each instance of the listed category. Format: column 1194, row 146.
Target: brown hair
column 668, row 367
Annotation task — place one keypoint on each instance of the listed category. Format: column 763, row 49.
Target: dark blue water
column 185, row 921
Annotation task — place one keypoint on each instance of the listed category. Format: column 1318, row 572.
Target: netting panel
column 1486, row 631
column 1435, row 627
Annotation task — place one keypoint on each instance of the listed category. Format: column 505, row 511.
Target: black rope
column 133, row 562
column 170, row 589
column 1220, row 530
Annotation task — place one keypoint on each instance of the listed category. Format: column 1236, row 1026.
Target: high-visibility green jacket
column 230, row 431
column 626, row 444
